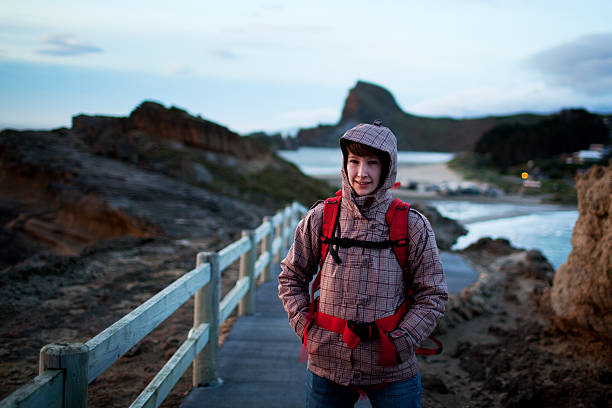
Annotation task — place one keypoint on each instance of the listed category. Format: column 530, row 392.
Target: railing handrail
column 65, row 370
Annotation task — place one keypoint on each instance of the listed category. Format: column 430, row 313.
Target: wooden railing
column 65, row 370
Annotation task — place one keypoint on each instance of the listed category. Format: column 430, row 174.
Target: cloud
column 584, row 65
column 66, row 45
column 309, row 116
column 224, row 54
column 484, row 101
column 176, row 69
column 265, row 9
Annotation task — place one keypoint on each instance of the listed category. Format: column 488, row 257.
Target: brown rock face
column 156, row 174
column 367, row 102
column 175, row 123
column 114, row 135
column 582, row 290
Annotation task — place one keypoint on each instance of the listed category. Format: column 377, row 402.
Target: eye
column 374, row 162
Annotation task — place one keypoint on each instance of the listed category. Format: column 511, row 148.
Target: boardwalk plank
column 258, row 362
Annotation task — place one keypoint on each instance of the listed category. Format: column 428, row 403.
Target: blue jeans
column 323, row 393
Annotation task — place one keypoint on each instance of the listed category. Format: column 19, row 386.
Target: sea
column 322, row 161
column 547, row 228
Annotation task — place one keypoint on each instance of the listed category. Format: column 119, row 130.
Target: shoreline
column 437, row 173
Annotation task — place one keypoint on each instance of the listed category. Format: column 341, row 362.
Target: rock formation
column 581, row 295
column 367, row 102
column 160, row 122
column 508, row 270
column 158, row 172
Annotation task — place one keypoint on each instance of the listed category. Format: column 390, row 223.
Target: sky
column 281, row 65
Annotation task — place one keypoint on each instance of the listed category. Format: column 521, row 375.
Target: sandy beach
column 435, row 173
column 428, row 174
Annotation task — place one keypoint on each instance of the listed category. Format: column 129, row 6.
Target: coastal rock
column 489, row 246
column 159, row 172
column 172, row 142
column 512, row 273
column 175, row 123
column 581, row 294
column 367, row 102
column 118, row 136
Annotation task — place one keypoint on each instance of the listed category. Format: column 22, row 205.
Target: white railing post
column 286, row 232
column 206, row 310
column 266, row 247
column 292, row 219
column 72, row 359
column 247, row 269
column 278, row 234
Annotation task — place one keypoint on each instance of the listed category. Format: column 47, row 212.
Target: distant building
column 532, row 183
column 595, row 153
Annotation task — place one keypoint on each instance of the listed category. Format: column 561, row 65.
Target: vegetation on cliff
column 569, row 131
column 201, row 153
column 544, row 150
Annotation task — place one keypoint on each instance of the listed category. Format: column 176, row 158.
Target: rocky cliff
column 159, row 172
column 163, row 123
column 367, row 102
column 582, row 290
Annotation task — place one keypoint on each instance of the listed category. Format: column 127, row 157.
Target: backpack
column 397, row 220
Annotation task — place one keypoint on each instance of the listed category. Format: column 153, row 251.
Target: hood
column 378, row 137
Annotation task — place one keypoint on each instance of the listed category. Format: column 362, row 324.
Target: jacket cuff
column 298, row 323
column 403, row 347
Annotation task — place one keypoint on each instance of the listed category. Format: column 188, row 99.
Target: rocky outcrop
column 177, row 124
column 157, row 173
column 172, row 142
column 581, row 297
column 504, row 272
column 367, row 102
column 115, row 134
column 49, row 203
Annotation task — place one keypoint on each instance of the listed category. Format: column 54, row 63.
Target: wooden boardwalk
column 258, row 362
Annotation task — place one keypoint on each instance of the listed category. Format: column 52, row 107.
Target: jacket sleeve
column 299, row 267
column 429, row 288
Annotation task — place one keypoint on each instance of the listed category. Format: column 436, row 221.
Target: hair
column 360, row 149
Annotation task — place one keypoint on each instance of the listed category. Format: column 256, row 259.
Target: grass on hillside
column 275, row 185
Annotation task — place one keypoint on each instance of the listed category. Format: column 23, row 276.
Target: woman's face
column 363, row 173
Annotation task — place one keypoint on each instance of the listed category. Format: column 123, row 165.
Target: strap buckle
column 365, row 331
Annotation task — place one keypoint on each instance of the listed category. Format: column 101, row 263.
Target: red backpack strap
column 331, row 207
column 397, row 220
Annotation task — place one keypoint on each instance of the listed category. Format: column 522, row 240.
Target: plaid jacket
column 369, row 283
